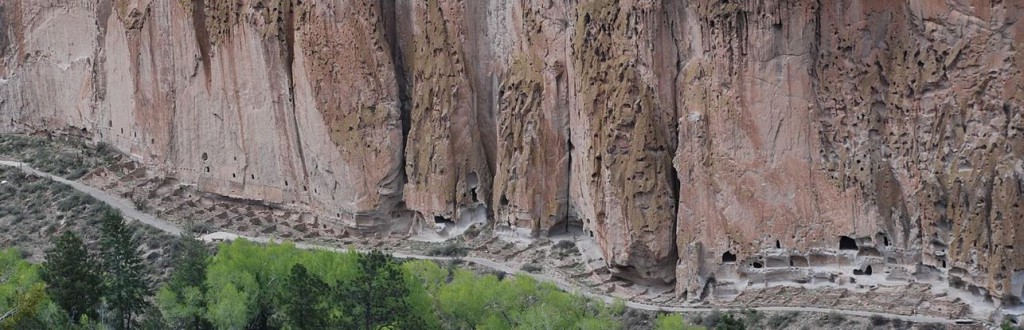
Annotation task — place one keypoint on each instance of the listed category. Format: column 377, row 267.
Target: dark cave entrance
column 441, row 219
column 847, row 243
column 867, row 271
column 728, row 257
column 473, row 181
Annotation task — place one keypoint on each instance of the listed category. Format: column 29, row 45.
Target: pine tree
column 73, row 277
column 306, row 306
column 378, row 296
column 125, row 275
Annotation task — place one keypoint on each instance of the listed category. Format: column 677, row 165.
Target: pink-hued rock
column 710, row 143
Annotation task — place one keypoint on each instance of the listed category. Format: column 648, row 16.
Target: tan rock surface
column 711, row 143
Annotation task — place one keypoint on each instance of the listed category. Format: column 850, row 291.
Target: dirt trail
column 129, row 211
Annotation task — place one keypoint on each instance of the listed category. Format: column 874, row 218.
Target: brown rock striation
column 711, row 143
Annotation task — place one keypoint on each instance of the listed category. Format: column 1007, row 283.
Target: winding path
column 128, row 209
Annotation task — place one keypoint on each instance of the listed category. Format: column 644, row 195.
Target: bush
column 472, row 232
column 899, row 324
column 832, row 318
column 565, row 245
column 200, row 228
column 878, row 320
column 752, row 317
column 779, row 321
column 566, row 248
column 531, row 268
column 728, row 322
column 710, row 320
column 448, row 250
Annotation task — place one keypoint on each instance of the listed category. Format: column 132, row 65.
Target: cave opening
column 728, row 257
column 473, row 181
column 881, row 239
column 757, row 265
column 847, row 243
column 867, row 271
column 778, row 245
column 204, row 157
column 441, row 219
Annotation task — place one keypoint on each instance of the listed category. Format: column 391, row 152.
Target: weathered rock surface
column 710, row 143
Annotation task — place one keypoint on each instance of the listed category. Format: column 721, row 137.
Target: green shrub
column 448, row 250
column 878, row 320
column 781, row 320
column 531, row 268
column 833, row 319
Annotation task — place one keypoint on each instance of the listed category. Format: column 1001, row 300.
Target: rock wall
column 712, row 144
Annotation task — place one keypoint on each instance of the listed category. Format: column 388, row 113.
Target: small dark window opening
column 728, row 257
column 233, row 175
column 109, row 122
column 473, row 191
column 847, row 243
column 943, row 264
column 504, row 200
column 778, row 245
column 304, row 188
column 204, row 157
column 885, row 240
column 867, row 270
column 757, row 265
column 285, row 183
column 207, row 169
column 122, row 130
column 440, row 219
column 591, row 234
column 253, row 176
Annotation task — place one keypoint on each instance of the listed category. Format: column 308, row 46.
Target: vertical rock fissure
column 103, row 10
column 673, row 171
column 389, row 13
column 289, row 53
column 202, row 35
column 568, row 177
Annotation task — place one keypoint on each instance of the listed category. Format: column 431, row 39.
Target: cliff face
column 710, row 143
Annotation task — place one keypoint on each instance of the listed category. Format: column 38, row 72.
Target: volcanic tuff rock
column 710, row 143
